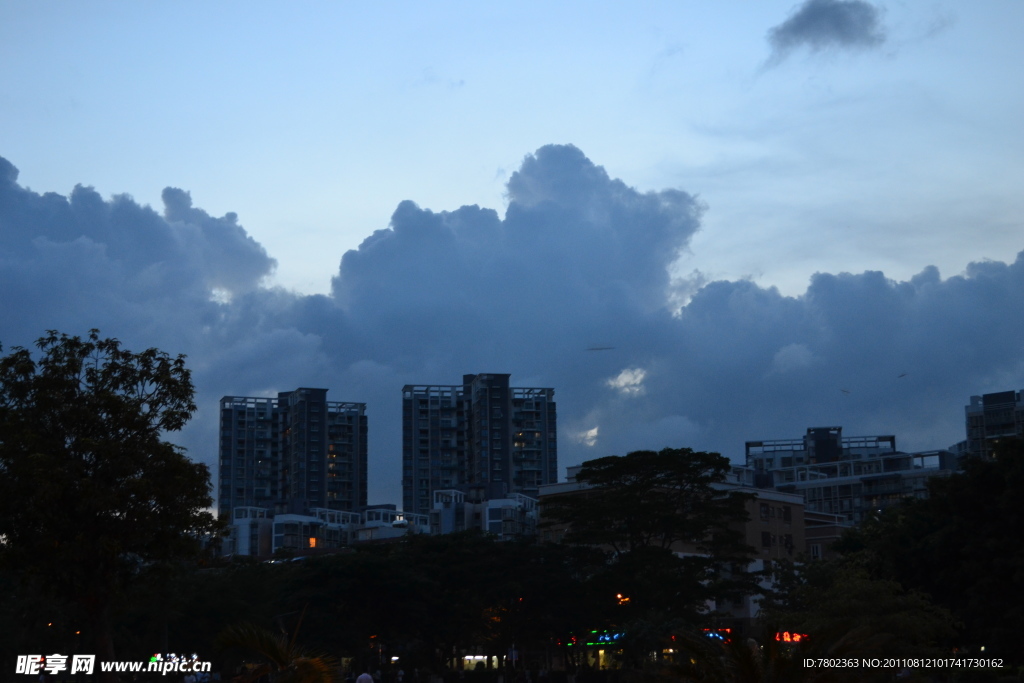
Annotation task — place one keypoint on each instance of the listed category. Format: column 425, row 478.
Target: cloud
column 629, row 382
column 790, row 358
column 578, row 259
column 821, row 25
column 587, row 437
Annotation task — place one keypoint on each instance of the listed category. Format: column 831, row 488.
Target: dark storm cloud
column 573, row 242
column 130, row 246
column 579, row 260
column 827, row 24
column 228, row 257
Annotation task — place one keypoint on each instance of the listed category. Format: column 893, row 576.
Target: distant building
column 483, row 434
column 384, row 522
column 991, row 417
column 821, row 530
column 258, row 533
column 292, row 454
column 251, row 532
column 512, row 516
column 319, row 531
column 845, row 476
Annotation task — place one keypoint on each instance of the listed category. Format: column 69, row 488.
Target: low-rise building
column 386, row 522
column 511, row 516
column 821, row 530
column 250, row 532
column 322, row 530
column 852, row 477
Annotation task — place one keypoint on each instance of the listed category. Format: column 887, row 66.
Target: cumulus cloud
column 629, row 382
column 587, row 437
column 820, row 25
column 578, row 259
column 791, row 357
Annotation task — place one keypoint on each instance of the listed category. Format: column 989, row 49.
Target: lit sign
column 599, row 638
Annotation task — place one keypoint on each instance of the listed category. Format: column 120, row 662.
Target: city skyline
column 857, row 350
column 699, row 224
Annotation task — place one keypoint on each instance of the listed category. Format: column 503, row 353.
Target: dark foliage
column 672, row 531
column 91, row 496
column 962, row 547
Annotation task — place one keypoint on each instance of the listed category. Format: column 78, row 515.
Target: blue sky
column 312, row 121
column 891, row 145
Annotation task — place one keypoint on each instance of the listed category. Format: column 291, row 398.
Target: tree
column 838, row 599
column 283, row 660
column 90, row 493
column 961, row 546
column 673, row 534
column 651, row 499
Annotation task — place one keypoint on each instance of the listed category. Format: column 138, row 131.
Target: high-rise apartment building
column 991, row 417
column 482, row 433
column 292, row 453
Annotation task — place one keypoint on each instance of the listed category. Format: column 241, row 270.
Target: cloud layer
column 579, row 261
column 820, row 25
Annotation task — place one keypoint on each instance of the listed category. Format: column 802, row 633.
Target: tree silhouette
column 91, row 495
column 961, row 546
column 671, row 529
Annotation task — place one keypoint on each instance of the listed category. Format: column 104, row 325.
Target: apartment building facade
column 482, row 433
column 991, row 417
column 292, row 453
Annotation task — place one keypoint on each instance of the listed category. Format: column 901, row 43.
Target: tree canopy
column 962, row 547
column 672, row 530
column 90, row 493
column 650, row 499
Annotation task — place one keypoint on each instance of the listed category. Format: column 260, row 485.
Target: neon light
column 722, row 634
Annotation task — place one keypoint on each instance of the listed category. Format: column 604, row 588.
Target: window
column 766, row 539
column 764, row 510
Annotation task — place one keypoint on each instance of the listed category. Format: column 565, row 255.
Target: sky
column 779, row 214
